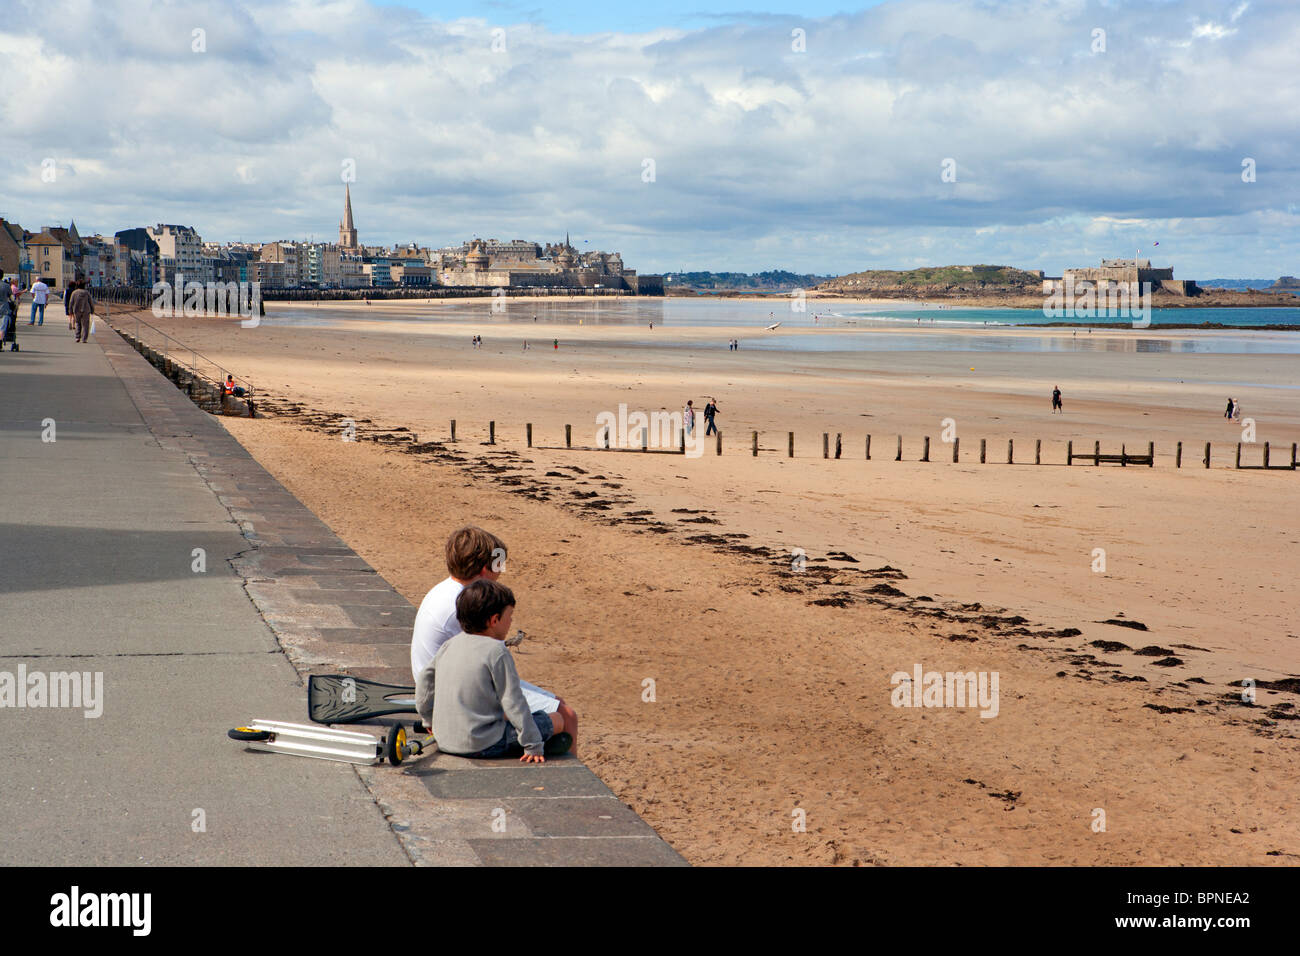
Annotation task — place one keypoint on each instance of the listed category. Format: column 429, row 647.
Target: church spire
column 347, row 230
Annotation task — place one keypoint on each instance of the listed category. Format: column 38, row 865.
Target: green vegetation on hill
column 774, row 280
column 939, row 276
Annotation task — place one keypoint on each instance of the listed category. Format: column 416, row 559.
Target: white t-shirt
column 436, row 623
column 40, row 292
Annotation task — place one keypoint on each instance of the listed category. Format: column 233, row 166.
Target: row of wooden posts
column 1123, row 459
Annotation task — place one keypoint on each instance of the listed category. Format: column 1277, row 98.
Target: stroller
column 9, row 323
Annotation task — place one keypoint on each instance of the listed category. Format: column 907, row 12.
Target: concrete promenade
column 140, row 542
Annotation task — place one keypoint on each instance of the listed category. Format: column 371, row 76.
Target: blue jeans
column 508, row 745
column 35, row 307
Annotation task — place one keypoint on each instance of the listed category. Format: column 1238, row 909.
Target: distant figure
column 710, row 410
column 1228, row 413
column 1056, row 400
column 525, row 345
column 534, row 317
column 8, row 319
column 67, row 301
column 652, row 326
column 556, row 343
column 83, row 306
column 40, row 292
column 1236, row 411
column 688, row 417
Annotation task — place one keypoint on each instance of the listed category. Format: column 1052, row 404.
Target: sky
column 814, row 137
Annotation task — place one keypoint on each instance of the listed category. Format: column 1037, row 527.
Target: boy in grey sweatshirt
column 469, row 694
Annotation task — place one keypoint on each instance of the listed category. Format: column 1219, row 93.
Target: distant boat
column 773, row 326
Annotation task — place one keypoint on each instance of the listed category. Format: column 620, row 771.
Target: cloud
column 824, row 160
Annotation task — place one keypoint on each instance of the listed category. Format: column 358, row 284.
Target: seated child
column 469, row 694
column 472, row 554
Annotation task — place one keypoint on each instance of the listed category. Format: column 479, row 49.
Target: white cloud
column 830, row 157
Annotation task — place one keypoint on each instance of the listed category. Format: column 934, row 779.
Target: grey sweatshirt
column 468, row 692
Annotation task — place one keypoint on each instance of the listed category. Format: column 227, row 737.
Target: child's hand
column 532, row 758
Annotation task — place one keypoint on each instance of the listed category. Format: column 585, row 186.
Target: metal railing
column 199, row 365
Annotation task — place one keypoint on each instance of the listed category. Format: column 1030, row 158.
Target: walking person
column 688, row 418
column 1056, row 401
column 40, row 293
column 83, row 306
column 67, row 301
column 1228, row 413
column 710, row 410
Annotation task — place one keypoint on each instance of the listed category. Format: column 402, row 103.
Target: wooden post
column 1038, row 451
column 790, row 450
column 1265, row 454
column 1069, row 453
column 1011, row 445
column 1096, row 451
column 956, row 446
column 983, row 443
column 453, row 429
column 1123, row 456
column 925, row 455
column 645, row 437
column 1178, row 456
column 826, row 445
column 1151, row 454
column 718, row 435
column 529, row 429
column 568, row 436
column 681, row 436
column 492, row 433
column 899, row 456
column 868, row 448
column 605, row 437
column 1207, row 454
column 1293, row 449
column 1238, row 454
column 755, row 444
column 415, row 438
column 838, row 436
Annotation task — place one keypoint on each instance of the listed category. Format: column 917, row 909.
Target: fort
column 1112, row 273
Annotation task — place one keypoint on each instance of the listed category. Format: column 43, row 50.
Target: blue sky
column 1035, row 133
column 584, row 16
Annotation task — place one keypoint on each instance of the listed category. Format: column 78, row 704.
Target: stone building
column 1113, row 272
column 489, row 263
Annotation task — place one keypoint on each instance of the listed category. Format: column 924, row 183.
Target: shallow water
column 838, row 328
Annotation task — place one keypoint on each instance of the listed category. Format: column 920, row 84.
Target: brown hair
column 480, row 602
column 470, row 550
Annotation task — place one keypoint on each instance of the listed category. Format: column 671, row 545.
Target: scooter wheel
column 395, row 745
column 248, row 733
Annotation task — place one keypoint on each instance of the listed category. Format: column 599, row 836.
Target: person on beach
column 1236, row 411
column 556, row 343
column 83, row 306
column 470, row 694
column 1228, row 413
column 472, row 554
column 1056, row 400
column 688, row 417
column 40, row 293
column 710, row 410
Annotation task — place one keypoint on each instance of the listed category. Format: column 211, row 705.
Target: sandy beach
column 772, row 681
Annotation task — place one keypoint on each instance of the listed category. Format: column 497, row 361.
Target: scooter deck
column 305, row 740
